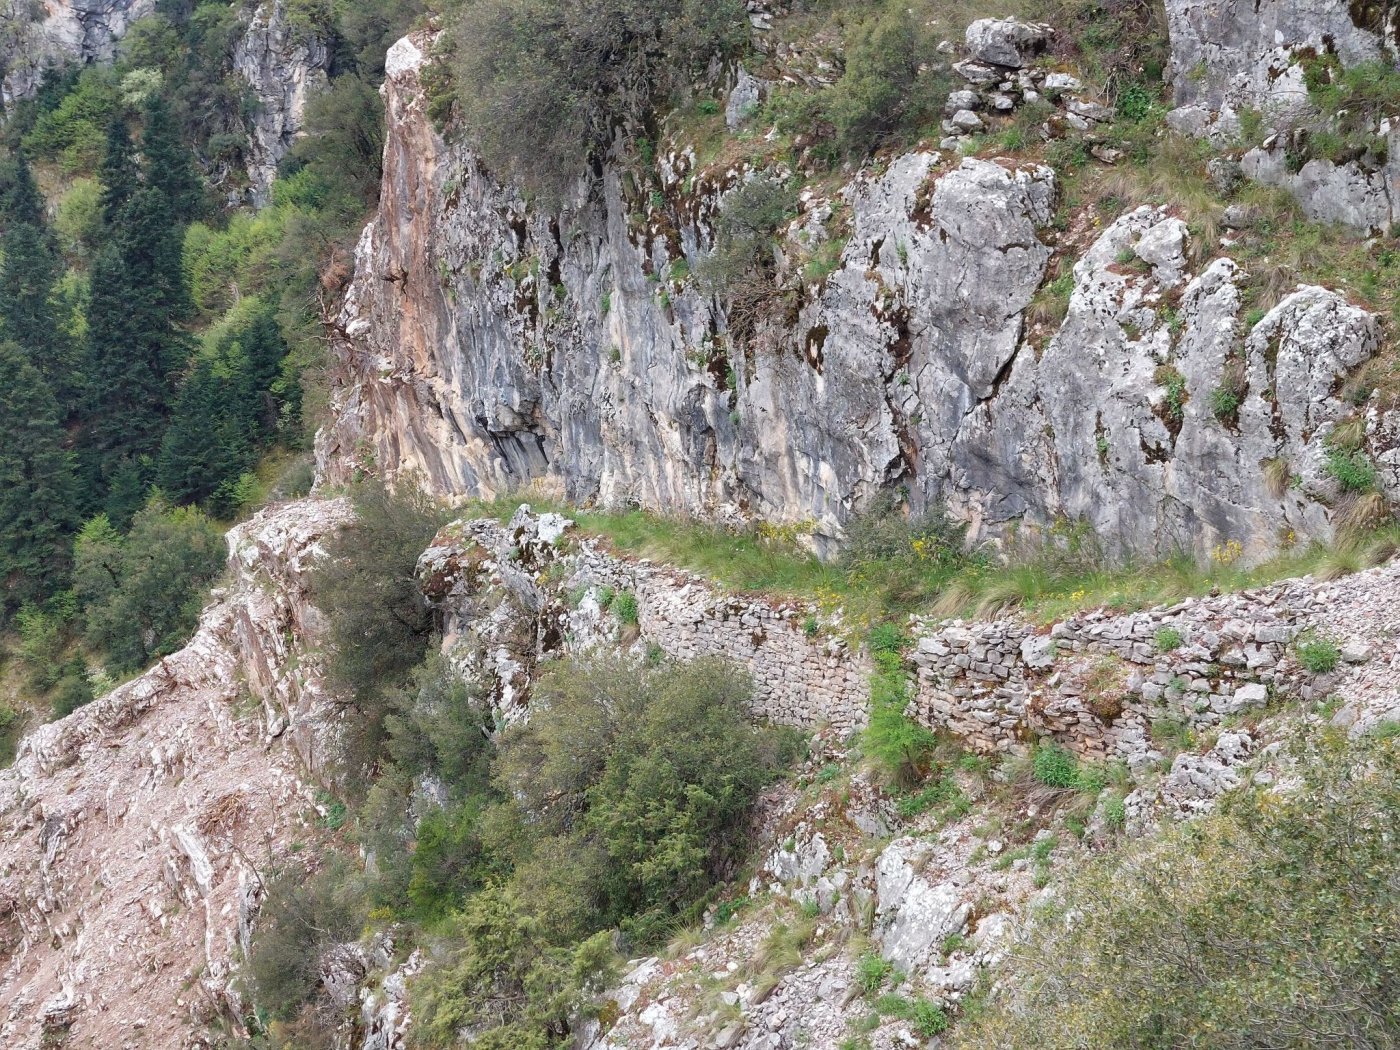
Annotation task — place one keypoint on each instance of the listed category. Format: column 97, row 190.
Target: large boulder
column 1007, row 41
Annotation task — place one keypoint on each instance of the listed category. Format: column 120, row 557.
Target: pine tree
column 37, row 505
column 134, row 348
column 118, row 173
column 168, row 163
column 22, row 201
column 30, row 269
column 210, row 441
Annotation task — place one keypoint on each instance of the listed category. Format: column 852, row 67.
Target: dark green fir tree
column 37, row 497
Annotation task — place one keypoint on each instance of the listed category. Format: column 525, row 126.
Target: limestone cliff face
column 284, row 66
column 35, row 36
column 134, row 833
column 487, row 346
column 1228, row 58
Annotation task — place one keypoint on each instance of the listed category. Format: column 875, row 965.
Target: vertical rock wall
column 488, row 346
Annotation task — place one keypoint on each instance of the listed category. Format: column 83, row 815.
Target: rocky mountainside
column 281, row 62
column 487, row 345
column 135, row 831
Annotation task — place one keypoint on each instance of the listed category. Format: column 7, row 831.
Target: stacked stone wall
column 1096, row 683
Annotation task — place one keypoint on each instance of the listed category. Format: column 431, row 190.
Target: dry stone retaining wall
column 1095, row 683
column 799, row 679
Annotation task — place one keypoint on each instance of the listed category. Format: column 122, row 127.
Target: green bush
column 44, row 634
column 1354, row 471
column 872, row 969
column 379, row 622
column 1318, row 654
column 900, row 747
column 656, row 764
column 743, row 233
column 506, row 979
column 1271, row 922
column 887, row 532
column 887, row 638
column 929, row 1018
column 1167, row 639
column 881, row 90
column 1055, row 767
column 1135, row 102
column 11, row 725
column 440, row 726
column 142, row 592
column 623, row 801
column 300, row 918
column 624, row 607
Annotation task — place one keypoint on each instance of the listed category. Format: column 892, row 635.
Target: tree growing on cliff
column 544, row 86
column 380, row 623
column 142, row 592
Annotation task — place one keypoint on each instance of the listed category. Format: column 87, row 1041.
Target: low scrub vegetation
column 602, row 824
column 542, row 88
column 1271, row 922
column 894, row 562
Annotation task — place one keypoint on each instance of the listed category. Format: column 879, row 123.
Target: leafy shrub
column 887, row 638
column 656, row 765
column 379, row 622
column 624, row 607
column 440, row 726
column 1055, row 767
column 901, row 747
column 11, row 724
column 1318, row 654
column 748, row 217
column 929, row 1018
column 1115, row 813
column 506, row 980
column 1284, row 904
column 543, row 87
column 886, row 532
column 872, row 969
column 449, row 860
column 44, row 634
column 142, row 592
column 300, row 918
column 881, row 89
column 1135, row 101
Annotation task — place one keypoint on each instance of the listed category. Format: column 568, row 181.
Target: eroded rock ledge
column 133, row 832
column 511, row 596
